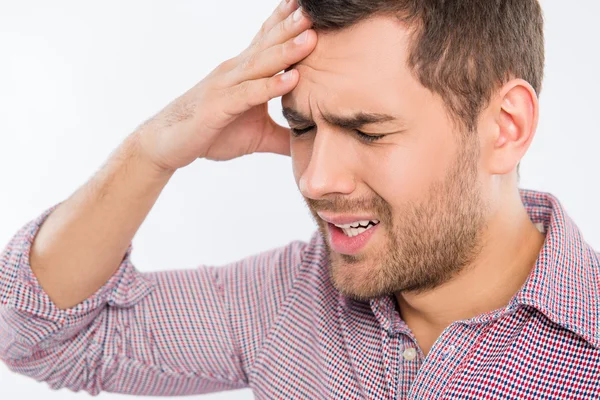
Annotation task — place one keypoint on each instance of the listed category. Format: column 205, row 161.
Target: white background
column 77, row 77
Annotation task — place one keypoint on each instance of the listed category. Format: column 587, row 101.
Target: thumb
column 276, row 141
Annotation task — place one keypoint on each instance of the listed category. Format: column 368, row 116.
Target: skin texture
column 222, row 117
column 455, row 240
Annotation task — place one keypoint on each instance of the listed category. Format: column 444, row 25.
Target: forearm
column 81, row 244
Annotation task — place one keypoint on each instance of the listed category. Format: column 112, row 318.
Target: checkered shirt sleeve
column 176, row 332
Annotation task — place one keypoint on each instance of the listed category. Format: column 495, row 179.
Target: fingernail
column 286, row 76
column 301, row 38
column 297, row 15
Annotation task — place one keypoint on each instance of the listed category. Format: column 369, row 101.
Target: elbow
column 56, row 372
column 47, row 354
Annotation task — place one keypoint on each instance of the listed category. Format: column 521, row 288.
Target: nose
column 329, row 170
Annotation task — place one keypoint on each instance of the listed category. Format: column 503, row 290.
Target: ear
column 515, row 114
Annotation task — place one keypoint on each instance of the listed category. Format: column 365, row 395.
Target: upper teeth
column 357, row 224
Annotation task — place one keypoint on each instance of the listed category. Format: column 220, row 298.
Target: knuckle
column 229, row 96
column 256, row 45
column 249, row 62
column 244, row 88
column 281, row 28
column 286, row 52
column 279, row 14
column 264, row 28
column 287, row 24
column 226, row 65
column 267, row 85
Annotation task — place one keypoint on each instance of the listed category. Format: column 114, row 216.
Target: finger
column 296, row 23
column 252, row 93
column 277, row 141
column 285, row 8
column 274, row 59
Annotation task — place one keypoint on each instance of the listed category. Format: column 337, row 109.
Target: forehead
column 363, row 66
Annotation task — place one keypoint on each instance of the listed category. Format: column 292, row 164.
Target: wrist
column 136, row 149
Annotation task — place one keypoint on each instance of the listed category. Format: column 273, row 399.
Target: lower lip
column 349, row 245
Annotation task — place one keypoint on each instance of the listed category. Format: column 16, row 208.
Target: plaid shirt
column 273, row 322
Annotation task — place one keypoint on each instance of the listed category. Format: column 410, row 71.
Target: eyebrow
column 354, row 121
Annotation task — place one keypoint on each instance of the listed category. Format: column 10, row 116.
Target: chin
column 355, row 279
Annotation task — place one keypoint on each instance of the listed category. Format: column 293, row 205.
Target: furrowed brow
column 355, row 121
column 296, row 117
column 358, row 120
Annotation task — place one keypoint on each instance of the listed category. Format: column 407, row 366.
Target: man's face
column 420, row 180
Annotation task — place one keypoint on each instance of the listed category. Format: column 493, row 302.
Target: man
column 431, row 274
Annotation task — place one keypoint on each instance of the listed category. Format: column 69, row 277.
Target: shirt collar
column 563, row 285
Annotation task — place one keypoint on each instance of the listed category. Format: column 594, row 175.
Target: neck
column 510, row 249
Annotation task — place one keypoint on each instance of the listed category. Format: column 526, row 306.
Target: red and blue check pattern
column 274, row 323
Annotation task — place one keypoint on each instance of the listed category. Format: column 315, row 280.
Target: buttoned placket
column 449, row 352
column 410, row 357
column 440, row 364
column 412, row 375
column 402, row 360
column 403, row 355
column 409, row 373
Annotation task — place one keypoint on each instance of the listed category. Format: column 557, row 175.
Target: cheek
column 394, row 173
column 405, row 173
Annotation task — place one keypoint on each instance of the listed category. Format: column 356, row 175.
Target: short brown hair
column 462, row 50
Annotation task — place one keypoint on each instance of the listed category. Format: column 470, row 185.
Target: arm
column 80, row 244
column 74, row 311
column 222, row 117
column 179, row 332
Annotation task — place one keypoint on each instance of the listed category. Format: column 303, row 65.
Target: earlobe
column 516, row 118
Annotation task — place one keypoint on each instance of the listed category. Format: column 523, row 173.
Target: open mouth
column 351, row 239
column 357, row 229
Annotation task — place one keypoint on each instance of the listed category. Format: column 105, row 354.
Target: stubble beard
column 424, row 246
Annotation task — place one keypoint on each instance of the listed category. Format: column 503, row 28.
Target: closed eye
column 363, row 136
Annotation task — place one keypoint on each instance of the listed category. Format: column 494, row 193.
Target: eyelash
column 368, row 138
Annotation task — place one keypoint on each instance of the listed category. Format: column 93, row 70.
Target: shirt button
column 409, row 354
column 448, row 351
